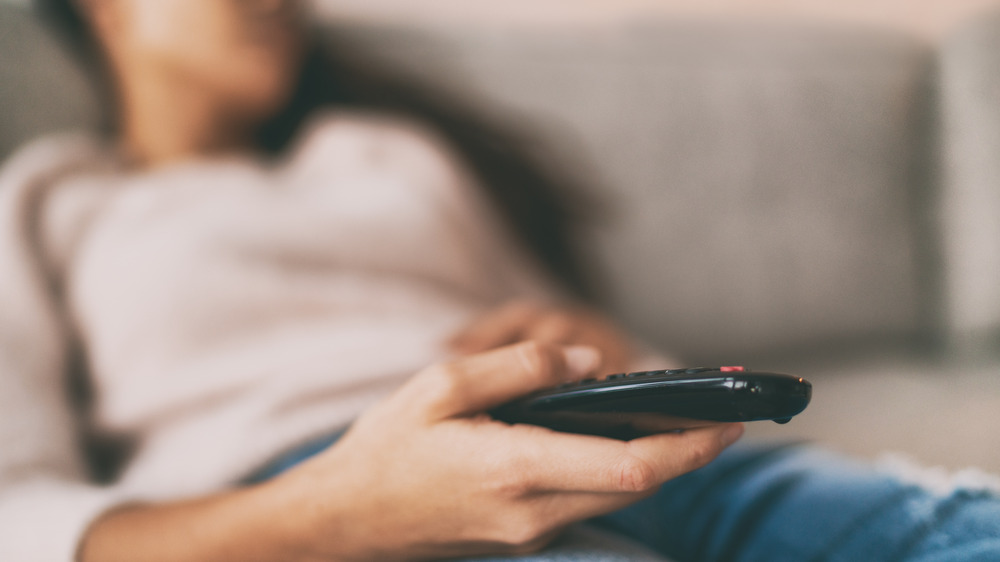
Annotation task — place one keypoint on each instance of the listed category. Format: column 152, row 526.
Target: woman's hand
column 520, row 320
column 425, row 474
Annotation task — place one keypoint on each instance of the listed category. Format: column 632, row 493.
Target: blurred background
column 802, row 186
column 930, row 18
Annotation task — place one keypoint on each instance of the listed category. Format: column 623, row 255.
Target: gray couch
column 822, row 200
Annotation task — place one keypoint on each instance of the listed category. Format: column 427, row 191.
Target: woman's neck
column 163, row 121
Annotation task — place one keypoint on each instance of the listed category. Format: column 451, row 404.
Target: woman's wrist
column 318, row 514
column 247, row 524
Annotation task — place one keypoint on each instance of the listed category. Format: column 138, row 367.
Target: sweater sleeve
column 46, row 499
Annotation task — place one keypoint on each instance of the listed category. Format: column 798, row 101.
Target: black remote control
column 630, row 405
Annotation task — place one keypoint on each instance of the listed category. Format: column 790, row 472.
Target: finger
column 477, row 383
column 699, row 447
column 583, row 327
column 553, row 461
column 497, row 328
column 613, row 343
column 553, row 328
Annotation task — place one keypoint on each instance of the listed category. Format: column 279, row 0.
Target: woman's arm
column 46, row 499
column 249, row 525
column 424, row 474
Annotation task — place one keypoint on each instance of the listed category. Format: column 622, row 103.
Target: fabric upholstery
column 41, row 87
column 970, row 199
column 763, row 183
column 761, row 187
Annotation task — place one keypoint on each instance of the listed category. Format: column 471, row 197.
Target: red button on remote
column 731, row 369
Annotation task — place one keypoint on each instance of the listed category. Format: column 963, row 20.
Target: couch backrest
column 41, row 89
column 768, row 184
column 970, row 197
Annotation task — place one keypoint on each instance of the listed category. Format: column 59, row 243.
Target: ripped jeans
column 776, row 504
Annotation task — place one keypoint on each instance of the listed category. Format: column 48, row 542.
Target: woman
column 231, row 306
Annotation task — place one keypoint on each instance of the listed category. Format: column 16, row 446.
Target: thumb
column 474, row 384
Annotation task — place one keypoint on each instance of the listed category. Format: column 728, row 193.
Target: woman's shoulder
column 32, row 195
column 369, row 138
column 367, row 125
column 52, row 155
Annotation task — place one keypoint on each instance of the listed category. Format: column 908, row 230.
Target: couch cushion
column 41, row 88
column 765, row 182
column 971, row 189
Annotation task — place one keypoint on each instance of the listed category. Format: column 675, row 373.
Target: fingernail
column 732, row 434
column 581, row 359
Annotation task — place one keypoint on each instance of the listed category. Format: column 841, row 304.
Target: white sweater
column 228, row 310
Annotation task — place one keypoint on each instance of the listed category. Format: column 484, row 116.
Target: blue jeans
column 775, row 504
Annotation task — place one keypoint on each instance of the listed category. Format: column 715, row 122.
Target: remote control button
column 732, row 369
column 615, row 377
column 674, row 372
column 696, row 370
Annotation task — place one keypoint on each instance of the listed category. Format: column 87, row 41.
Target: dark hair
column 64, row 15
column 532, row 199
